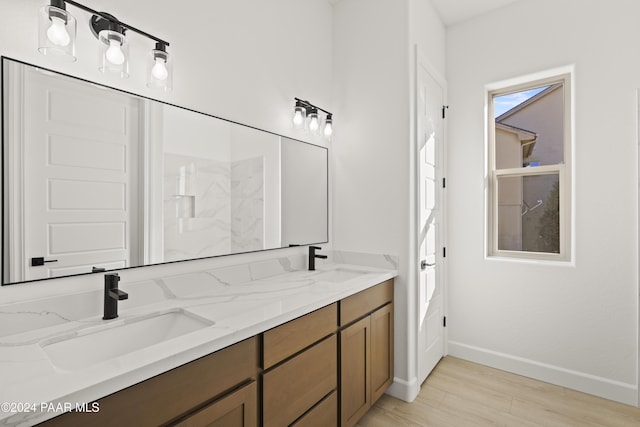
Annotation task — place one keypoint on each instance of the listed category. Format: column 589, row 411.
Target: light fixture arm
column 308, row 106
column 110, row 18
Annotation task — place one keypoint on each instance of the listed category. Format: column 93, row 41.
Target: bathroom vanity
column 291, row 348
column 290, row 371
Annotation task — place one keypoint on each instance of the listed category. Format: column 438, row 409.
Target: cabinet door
column 381, row 351
column 237, row 409
column 355, row 389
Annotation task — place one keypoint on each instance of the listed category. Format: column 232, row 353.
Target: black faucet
column 313, row 256
column 112, row 295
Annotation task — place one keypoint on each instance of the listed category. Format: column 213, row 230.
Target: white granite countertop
column 233, row 304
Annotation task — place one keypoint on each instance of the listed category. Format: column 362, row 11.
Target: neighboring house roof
column 531, row 100
column 527, row 138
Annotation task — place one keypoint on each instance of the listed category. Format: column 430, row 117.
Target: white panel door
column 429, row 121
column 80, row 199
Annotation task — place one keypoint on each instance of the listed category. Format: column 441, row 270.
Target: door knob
column 424, row 264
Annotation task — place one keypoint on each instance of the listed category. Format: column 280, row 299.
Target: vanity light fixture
column 304, row 109
column 57, row 35
column 57, row 31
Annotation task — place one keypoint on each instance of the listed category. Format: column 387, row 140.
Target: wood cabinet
column 285, row 340
column 323, row 369
column 237, row 409
column 361, row 304
column 296, row 386
column 366, row 350
column 324, row 414
column 355, row 371
column 381, row 351
column 169, row 397
column 301, row 370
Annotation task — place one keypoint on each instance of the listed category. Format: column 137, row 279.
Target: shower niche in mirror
column 94, row 177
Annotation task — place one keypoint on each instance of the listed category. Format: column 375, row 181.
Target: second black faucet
column 313, row 256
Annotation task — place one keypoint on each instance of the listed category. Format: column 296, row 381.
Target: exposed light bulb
column 159, row 69
column 313, row 123
column 114, row 54
column 298, row 118
column 57, row 33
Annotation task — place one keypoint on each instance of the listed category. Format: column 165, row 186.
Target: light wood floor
column 460, row 393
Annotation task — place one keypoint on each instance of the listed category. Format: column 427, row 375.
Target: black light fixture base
column 55, row 13
column 59, row 4
column 105, row 21
column 309, row 106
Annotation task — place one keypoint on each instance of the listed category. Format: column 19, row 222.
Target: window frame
column 563, row 170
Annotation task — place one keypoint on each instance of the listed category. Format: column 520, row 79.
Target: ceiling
column 455, row 11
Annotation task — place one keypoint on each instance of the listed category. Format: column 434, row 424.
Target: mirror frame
column 3, row 203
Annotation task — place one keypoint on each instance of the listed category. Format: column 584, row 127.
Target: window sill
column 536, row 259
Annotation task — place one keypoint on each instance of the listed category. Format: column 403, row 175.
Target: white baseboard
column 404, row 390
column 591, row 384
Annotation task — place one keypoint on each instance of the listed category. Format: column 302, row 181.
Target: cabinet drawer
column 291, row 389
column 173, row 394
column 324, row 414
column 363, row 303
column 292, row 337
column 237, row 409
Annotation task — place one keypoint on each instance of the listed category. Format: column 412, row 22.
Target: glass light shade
column 314, row 121
column 114, row 53
column 160, row 70
column 299, row 117
column 328, row 127
column 57, row 33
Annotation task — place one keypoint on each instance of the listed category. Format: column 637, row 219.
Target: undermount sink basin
column 93, row 345
column 339, row 275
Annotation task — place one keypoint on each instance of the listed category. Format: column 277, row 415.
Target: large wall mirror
column 96, row 178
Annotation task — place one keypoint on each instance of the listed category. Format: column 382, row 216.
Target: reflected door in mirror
column 79, row 205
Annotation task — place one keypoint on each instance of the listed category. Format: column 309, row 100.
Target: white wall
column 428, row 32
column 371, row 149
column 575, row 325
column 243, row 60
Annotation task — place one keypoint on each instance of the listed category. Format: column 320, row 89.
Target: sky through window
column 504, row 103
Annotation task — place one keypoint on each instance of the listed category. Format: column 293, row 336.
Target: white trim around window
column 562, row 169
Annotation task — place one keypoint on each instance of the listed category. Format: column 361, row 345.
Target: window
column 529, row 164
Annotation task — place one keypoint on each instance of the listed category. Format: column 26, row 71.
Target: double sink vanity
column 254, row 344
